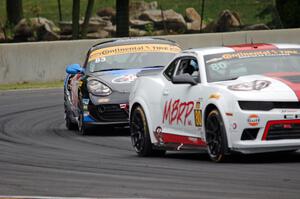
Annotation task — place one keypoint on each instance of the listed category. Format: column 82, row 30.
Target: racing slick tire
column 69, row 124
column 216, row 139
column 82, row 128
column 140, row 137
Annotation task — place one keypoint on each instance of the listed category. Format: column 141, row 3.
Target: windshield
column 229, row 66
column 131, row 56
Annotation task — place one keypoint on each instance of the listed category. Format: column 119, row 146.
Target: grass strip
column 31, row 85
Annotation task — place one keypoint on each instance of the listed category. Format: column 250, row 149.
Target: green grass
column 248, row 9
column 27, row 85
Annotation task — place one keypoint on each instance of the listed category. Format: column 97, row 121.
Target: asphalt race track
column 40, row 157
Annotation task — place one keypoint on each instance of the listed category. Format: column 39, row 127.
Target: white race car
column 242, row 98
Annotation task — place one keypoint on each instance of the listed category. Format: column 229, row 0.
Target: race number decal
column 198, row 115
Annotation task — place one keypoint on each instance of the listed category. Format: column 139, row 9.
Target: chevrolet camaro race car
column 97, row 93
column 242, row 98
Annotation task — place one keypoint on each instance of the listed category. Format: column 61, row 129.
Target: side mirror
column 74, row 69
column 184, row 79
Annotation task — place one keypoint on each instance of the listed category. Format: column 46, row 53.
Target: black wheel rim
column 213, row 135
column 137, row 132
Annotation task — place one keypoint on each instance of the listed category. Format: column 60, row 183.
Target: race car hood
column 263, row 87
column 118, row 80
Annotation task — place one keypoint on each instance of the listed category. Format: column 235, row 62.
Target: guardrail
column 46, row 61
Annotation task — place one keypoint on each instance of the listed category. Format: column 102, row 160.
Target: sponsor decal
column 124, row 79
column 85, row 101
column 250, row 86
column 124, row 106
column 260, row 53
column 136, row 48
column 234, row 126
column 229, row 114
column 253, row 120
column 158, row 134
column 178, row 112
column 215, row 96
column 198, row 114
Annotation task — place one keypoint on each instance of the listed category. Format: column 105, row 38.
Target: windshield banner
column 137, row 48
column 250, row 54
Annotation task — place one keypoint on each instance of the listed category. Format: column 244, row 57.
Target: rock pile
column 146, row 18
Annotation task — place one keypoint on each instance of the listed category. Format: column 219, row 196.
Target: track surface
column 39, row 156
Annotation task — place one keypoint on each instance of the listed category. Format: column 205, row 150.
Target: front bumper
column 105, row 114
column 111, row 110
column 275, row 130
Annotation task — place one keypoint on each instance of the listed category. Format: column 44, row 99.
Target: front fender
column 226, row 109
column 147, row 112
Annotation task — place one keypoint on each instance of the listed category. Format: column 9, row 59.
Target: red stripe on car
column 284, row 78
column 171, row 138
column 245, row 47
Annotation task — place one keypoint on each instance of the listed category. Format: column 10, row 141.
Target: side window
column 171, row 69
column 190, row 66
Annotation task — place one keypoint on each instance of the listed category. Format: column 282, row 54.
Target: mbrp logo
column 250, row 86
column 253, row 120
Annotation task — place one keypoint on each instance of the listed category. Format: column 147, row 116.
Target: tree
column 14, row 10
column 88, row 13
column 75, row 19
column 289, row 12
column 122, row 18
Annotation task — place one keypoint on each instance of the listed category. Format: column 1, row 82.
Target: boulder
column 26, row 28
column 151, row 15
column 95, row 23
column 2, row 35
column 192, row 15
column 173, row 20
column 137, row 7
column 193, row 27
column 98, row 35
column 140, row 24
column 227, row 21
column 65, row 27
column 109, row 11
column 137, row 32
column 111, row 29
column 256, row 27
column 45, row 33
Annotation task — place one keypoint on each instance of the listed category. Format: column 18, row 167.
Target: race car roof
column 128, row 41
column 241, row 47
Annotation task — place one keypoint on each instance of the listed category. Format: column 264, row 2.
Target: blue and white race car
column 97, row 92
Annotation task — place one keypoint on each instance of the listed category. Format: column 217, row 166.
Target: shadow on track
column 263, row 158
column 107, row 131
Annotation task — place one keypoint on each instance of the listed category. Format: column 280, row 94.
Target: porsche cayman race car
column 242, row 98
column 97, row 93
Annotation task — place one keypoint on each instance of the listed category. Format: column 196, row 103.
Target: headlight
column 97, row 88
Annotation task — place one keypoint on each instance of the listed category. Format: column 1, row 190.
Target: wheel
column 69, row 123
column 140, row 135
column 82, row 128
column 216, row 137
